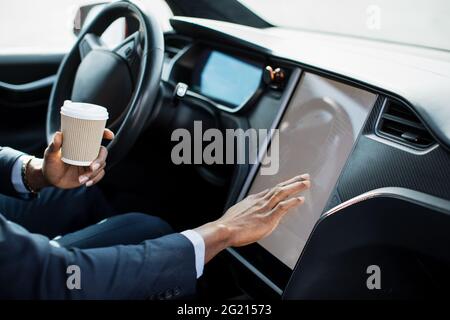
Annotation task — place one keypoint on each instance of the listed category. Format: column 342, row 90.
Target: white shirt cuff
column 199, row 249
column 16, row 176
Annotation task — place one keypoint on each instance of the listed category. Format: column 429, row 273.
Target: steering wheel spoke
column 90, row 42
column 131, row 50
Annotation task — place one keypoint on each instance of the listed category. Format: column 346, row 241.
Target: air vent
column 398, row 122
column 175, row 44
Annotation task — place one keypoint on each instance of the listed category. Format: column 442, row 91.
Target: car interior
column 368, row 120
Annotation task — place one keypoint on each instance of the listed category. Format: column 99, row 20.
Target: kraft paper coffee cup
column 82, row 126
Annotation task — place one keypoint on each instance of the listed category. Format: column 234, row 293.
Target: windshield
column 423, row 23
column 46, row 26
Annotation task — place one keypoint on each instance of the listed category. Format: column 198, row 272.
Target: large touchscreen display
column 317, row 134
column 228, row 79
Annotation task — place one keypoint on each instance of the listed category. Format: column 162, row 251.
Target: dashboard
column 365, row 136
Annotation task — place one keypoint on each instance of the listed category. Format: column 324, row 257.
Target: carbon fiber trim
column 374, row 164
column 372, row 120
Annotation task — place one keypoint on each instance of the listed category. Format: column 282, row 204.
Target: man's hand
column 254, row 217
column 53, row 171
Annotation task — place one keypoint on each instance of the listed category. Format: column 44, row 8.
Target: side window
column 46, row 26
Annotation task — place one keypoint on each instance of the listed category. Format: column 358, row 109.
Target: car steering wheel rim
column 148, row 47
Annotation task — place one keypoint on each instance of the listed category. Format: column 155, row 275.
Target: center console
column 318, row 119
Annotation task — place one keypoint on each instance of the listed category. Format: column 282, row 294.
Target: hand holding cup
column 66, row 176
column 80, row 159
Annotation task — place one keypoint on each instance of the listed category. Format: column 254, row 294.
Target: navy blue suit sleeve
column 8, row 157
column 31, row 268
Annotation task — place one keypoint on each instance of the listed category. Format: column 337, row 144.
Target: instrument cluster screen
column 227, row 79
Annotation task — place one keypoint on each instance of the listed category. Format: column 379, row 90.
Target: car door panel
column 25, row 85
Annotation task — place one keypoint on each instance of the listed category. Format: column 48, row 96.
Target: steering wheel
column 125, row 79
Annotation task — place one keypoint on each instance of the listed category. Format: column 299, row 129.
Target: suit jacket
column 32, row 268
column 8, row 157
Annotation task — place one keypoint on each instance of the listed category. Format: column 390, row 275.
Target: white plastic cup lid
column 85, row 111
